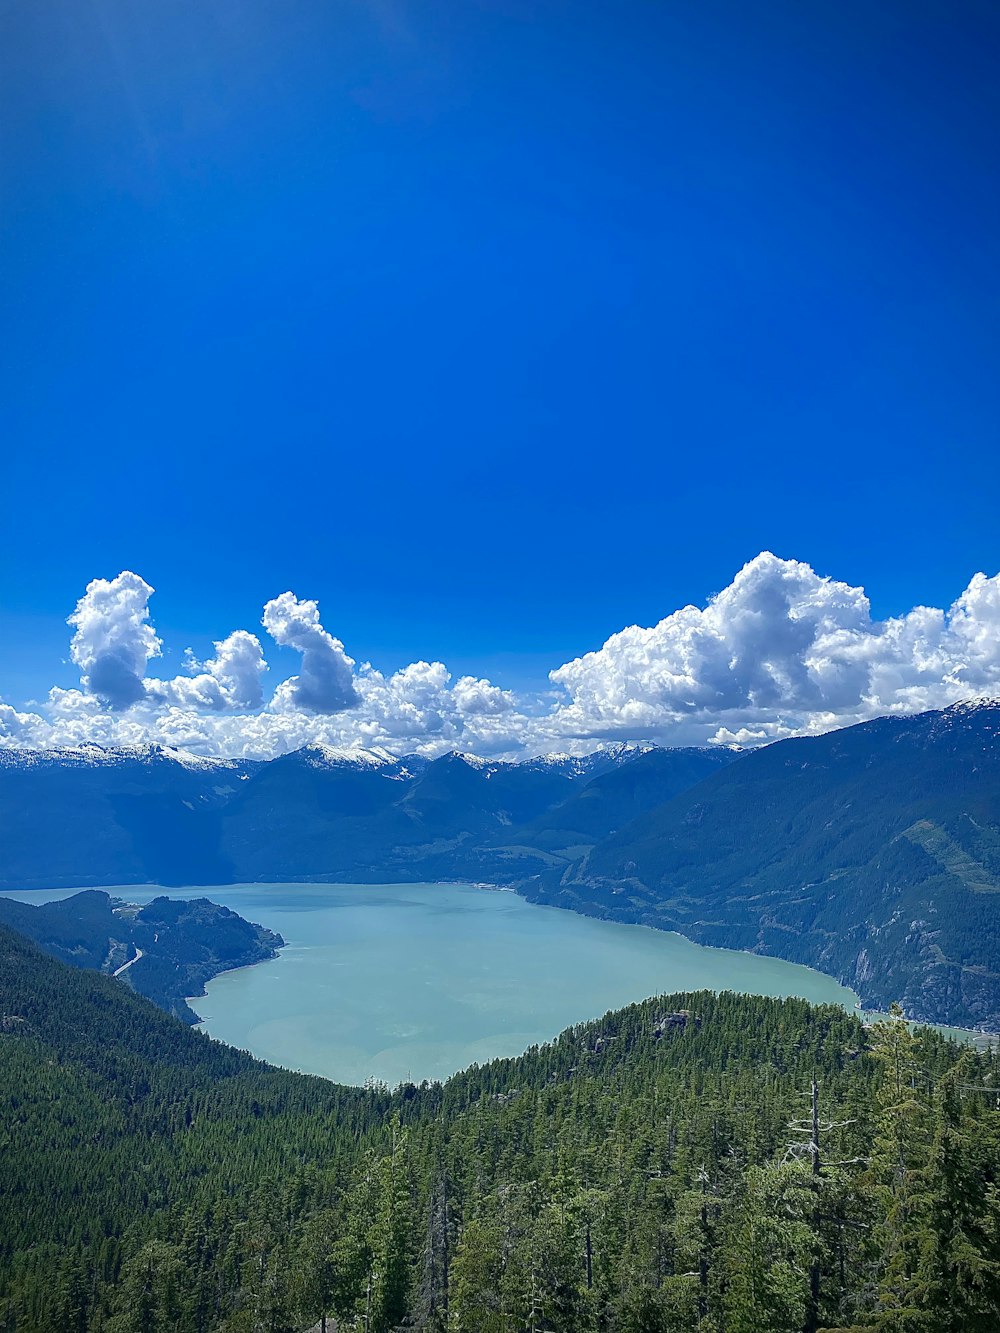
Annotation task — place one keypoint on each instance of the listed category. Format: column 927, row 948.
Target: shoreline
column 979, row 1036
column 272, row 957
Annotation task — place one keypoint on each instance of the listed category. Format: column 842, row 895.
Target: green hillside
column 165, row 950
column 651, row 1170
column 872, row 853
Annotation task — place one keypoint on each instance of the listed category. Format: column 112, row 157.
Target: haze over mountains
column 92, row 816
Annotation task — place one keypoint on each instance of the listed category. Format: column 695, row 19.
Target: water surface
column 415, row 981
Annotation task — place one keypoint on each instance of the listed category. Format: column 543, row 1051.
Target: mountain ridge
column 143, row 815
column 872, row 853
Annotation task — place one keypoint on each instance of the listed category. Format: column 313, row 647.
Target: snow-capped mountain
column 92, row 815
column 318, row 755
column 90, row 755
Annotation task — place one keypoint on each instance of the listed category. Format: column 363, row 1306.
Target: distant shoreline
column 976, row 1036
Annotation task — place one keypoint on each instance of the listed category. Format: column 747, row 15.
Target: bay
column 416, row 981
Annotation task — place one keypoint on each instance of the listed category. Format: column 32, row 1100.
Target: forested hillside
column 165, row 950
column 657, row 1169
column 872, row 853
column 92, row 816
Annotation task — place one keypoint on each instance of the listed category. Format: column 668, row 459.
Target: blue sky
column 493, row 327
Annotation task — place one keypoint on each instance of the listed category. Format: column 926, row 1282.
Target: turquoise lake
column 415, row 981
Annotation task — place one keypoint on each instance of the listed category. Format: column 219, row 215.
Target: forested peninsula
column 166, row 950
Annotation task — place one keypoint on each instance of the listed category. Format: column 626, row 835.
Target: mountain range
column 871, row 853
column 148, row 814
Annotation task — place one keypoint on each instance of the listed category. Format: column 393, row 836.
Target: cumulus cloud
column 418, row 708
column 114, row 639
column 325, row 683
column 420, row 705
column 781, row 651
column 24, row 729
column 229, row 680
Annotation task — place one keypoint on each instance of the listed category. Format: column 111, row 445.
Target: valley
column 871, row 854
column 409, row 982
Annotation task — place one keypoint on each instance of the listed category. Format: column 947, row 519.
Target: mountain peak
column 319, row 755
column 980, row 704
column 91, row 755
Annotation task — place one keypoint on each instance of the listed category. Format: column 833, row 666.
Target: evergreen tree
column 898, row 1177
column 959, row 1279
column 769, row 1251
column 148, row 1297
column 391, row 1238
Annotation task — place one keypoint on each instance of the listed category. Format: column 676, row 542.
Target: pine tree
column 477, row 1280
column 391, row 1238
column 897, row 1177
column 148, row 1297
column 769, row 1251
column 313, row 1276
column 960, row 1269
column 434, row 1293
column 70, row 1295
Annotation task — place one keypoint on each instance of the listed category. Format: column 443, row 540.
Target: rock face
column 872, row 853
column 166, row 950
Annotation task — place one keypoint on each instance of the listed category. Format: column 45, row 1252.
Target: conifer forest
column 709, row 1162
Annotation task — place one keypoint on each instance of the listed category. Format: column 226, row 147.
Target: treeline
column 718, row 1163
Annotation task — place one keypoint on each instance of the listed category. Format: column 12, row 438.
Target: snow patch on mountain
column 91, row 755
column 318, row 755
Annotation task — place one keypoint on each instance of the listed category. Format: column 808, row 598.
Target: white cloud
column 421, row 705
column 780, row 651
column 114, row 640
column 229, row 680
column 325, row 683
column 24, row 729
column 415, row 709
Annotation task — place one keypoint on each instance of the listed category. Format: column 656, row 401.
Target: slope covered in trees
column 662, row 1168
column 872, row 853
column 165, row 950
column 92, row 817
